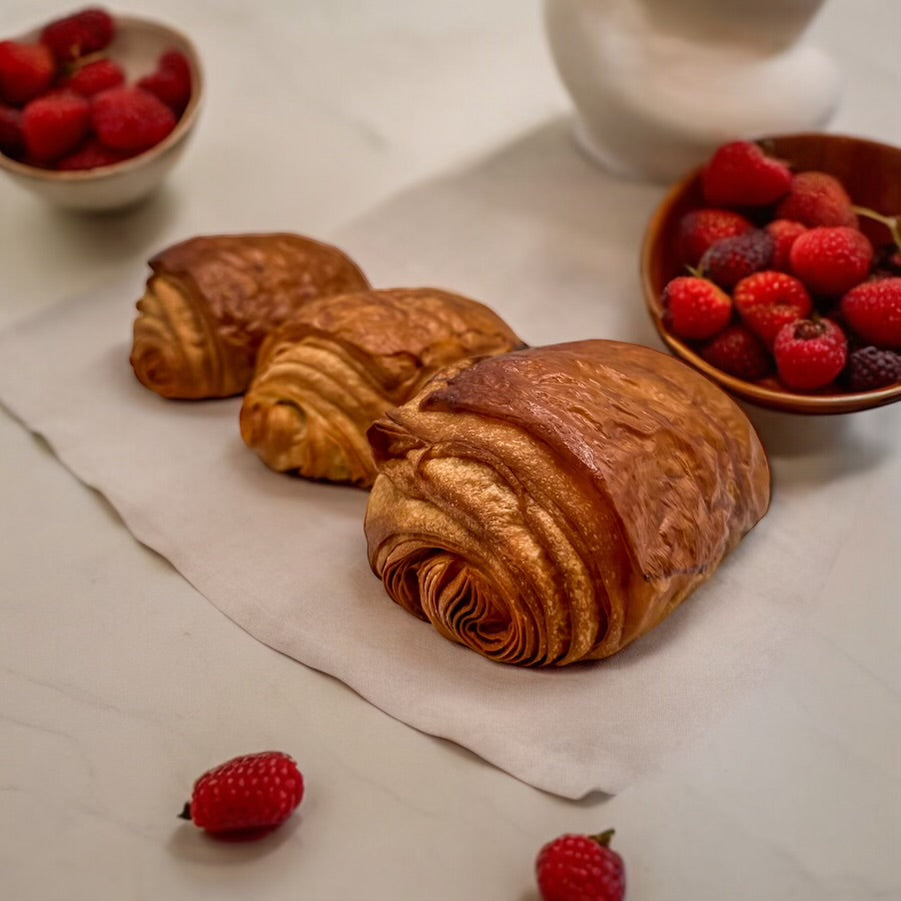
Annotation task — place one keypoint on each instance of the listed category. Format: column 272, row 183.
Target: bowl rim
column 761, row 395
column 182, row 127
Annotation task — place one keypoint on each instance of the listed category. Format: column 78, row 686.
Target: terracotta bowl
column 137, row 46
column 872, row 174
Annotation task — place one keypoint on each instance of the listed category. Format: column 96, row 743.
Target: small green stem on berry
column 890, row 222
column 603, row 838
column 186, row 811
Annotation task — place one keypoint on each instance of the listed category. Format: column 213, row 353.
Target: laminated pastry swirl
column 210, row 301
column 552, row 505
column 324, row 377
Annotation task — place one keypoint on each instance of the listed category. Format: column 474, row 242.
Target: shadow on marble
column 193, row 845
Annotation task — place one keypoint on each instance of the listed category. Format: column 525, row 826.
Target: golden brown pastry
column 324, row 377
column 211, row 300
column 554, row 504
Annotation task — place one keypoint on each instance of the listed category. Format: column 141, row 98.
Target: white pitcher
column 658, row 84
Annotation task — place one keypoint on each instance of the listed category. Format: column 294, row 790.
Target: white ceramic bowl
column 137, row 46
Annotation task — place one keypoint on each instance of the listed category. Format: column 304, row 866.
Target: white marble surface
column 120, row 683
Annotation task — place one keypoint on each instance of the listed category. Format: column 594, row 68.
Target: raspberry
column 741, row 174
column 730, row 260
column 783, row 232
column 96, row 77
column 695, row 308
column 817, row 198
column 11, row 138
column 870, row 368
column 79, row 34
column 699, row 229
column 26, row 70
column 90, row 155
column 54, row 125
column 580, row 868
column 873, row 311
column 739, row 353
column 171, row 81
column 810, row 353
column 250, row 794
column 831, row 260
column 766, row 301
column 130, row 119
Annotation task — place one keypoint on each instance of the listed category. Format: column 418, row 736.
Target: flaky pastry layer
column 324, row 377
column 211, row 301
column 552, row 505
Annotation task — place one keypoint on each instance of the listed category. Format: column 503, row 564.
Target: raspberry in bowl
column 794, row 229
column 95, row 108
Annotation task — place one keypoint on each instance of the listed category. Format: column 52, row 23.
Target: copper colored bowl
column 870, row 171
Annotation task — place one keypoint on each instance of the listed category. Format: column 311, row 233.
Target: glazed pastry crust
column 210, row 301
column 324, row 377
column 552, row 505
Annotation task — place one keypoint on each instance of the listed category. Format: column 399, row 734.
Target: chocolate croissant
column 552, row 505
column 210, row 302
column 324, row 377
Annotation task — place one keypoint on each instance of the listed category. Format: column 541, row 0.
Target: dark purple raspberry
column 729, row 260
column 871, row 367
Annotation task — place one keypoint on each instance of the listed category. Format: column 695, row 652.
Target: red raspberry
column 873, row 311
column 11, row 138
column 171, row 81
column 737, row 352
column 699, row 229
column 90, row 155
column 130, row 119
column 695, row 308
column 249, row 794
column 730, row 260
column 766, row 301
column 783, row 232
column 831, row 261
column 26, row 70
column 817, row 198
column 741, row 174
column 810, row 353
column 581, row 868
column 79, row 34
column 54, row 125
column 870, row 368
column 96, row 77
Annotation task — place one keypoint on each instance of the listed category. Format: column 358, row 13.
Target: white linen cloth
column 552, row 244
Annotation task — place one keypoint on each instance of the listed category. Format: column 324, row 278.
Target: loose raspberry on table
column 26, row 70
column 247, row 794
column 831, row 260
column 171, row 81
column 580, row 868
column 817, row 198
column 871, row 367
column 766, row 301
column 730, row 260
column 810, row 354
column 873, row 311
column 699, row 229
column 695, row 308
column 95, row 77
column 54, row 125
column 740, row 174
column 130, row 119
column 783, row 232
column 79, row 34
column 738, row 352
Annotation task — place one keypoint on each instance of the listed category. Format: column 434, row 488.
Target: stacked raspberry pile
column 66, row 105
column 782, row 283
